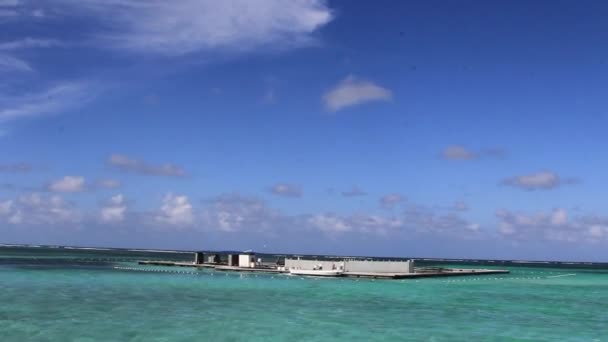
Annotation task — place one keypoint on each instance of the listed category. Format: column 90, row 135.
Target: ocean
column 59, row 294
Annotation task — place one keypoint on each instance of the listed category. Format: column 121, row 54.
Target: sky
column 469, row 129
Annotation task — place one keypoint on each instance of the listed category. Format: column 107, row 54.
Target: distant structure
column 327, row 266
column 243, row 260
column 247, row 260
column 350, row 265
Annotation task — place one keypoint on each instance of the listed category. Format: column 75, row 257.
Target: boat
column 316, row 273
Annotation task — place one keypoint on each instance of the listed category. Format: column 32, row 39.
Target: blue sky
column 472, row 129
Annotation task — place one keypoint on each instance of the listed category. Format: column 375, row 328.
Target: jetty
column 347, row 267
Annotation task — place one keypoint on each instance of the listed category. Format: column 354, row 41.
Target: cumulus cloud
column 176, row 210
column 187, row 26
column 235, row 212
column 554, row 225
column 543, row 180
column 286, row 190
column 230, row 213
column 391, row 200
column 422, row 220
column 34, row 209
column 330, row 223
column 114, row 210
column 68, row 184
column 125, row 163
column 353, row 91
column 355, row 191
column 458, row 152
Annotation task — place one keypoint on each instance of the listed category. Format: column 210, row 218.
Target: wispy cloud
column 8, row 13
column 269, row 97
column 28, row 42
column 286, row 190
column 108, row 184
column 391, row 200
column 9, row 63
column 353, row 91
column 16, row 168
column 10, row 3
column 58, row 98
column 458, row 152
column 543, row 180
column 355, row 191
column 125, row 163
column 176, row 28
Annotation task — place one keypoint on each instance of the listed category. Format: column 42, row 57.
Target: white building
column 247, row 260
column 351, row 265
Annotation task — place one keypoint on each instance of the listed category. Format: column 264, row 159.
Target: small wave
column 157, row 251
column 90, row 248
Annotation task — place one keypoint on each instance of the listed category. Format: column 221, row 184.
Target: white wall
column 311, row 264
column 246, row 260
column 353, row 265
column 379, row 266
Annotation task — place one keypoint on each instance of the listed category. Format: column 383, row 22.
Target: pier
column 350, row 268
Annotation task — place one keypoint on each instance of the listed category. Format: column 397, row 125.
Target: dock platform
column 447, row 273
column 373, row 275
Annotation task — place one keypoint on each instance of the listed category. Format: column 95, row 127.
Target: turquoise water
column 59, row 299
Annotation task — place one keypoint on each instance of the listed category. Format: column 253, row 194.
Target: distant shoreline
column 515, row 262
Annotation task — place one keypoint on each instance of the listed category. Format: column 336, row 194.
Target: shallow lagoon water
column 122, row 301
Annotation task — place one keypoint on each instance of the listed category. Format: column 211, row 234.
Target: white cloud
column 176, row 210
column 175, row 28
column 352, row 91
column 37, row 209
column 559, row 217
column 27, row 43
column 553, row 226
column 286, row 190
column 234, row 212
column 58, row 98
column 330, row 223
column 114, row 210
column 125, row 163
column 456, row 152
column 68, row 184
column 10, row 63
column 544, row 180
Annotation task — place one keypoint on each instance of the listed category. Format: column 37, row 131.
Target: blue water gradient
column 115, row 299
